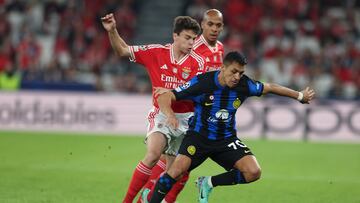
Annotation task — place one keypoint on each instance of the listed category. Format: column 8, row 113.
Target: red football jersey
column 165, row 71
column 213, row 55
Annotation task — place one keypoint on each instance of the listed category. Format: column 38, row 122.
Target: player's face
column 212, row 26
column 232, row 73
column 185, row 40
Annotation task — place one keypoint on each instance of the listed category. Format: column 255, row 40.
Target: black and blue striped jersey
column 215, row 105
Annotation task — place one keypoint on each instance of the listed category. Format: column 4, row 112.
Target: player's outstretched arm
column 117, row 43
column 164, row 102
column 304, row 96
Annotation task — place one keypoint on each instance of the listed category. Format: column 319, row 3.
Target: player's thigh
column 158, row 137
column 156, row 142
column 157, row 122
column 229, row 151
column 193, row 147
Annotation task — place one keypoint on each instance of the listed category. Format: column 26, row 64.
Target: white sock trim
column 210, row 182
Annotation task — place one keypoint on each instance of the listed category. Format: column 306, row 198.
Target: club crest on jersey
column 186, row 72
column 191, row 149
column 236, row 103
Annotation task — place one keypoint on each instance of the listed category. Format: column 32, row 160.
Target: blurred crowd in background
column 60, row 44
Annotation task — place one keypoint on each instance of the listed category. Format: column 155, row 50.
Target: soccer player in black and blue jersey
column 212, row 133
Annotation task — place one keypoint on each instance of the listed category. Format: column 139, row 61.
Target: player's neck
column 211, row 43
column 178, row 54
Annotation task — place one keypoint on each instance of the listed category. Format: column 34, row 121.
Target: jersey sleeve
column 255, row 88
column 141, row 54
column 190, row 89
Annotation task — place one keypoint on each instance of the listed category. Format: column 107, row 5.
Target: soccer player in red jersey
column 207, row 45
column 168, row 66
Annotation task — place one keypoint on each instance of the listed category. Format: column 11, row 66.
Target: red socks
column 176, row 189
column 144, row 177
column 140, row 177
column 155, row 174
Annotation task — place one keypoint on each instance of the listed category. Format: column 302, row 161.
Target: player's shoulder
column 208, row 76
column 220, row 43
column 247, row 81
column 244, row 79
column 198, row 42
column 196, row 55
column 199, row 58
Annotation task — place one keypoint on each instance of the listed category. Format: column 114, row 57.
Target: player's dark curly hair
column 186, row 23
column 235, row 56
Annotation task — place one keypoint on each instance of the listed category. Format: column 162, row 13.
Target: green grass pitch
column 45, row 168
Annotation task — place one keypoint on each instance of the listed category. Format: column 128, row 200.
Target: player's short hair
column 212, row 11
column 186, row 23
column 235, row 56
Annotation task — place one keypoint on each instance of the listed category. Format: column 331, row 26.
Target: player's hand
column 172, row 122
column 109, row 22
column 309, row 95
column 160, row 90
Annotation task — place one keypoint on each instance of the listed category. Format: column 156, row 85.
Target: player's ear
column 202, row 24
column 175, row 35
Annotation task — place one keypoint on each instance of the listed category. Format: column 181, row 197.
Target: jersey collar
column 172, row 56
column 212, row 49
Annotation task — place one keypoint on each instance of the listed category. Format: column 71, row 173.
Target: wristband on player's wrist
column 300, row 97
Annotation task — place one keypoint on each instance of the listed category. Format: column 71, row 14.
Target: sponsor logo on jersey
column 222, row 114
column 191, row 149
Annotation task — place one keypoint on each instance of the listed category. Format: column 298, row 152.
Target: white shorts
column 157, row 123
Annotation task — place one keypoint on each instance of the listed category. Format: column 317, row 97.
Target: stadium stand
column 61, row 44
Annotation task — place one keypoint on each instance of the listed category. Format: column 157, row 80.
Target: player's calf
column 162, row 187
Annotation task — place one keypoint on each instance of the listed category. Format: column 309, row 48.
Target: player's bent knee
column 151, row 158
column 175, row 172
column 254, row 174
